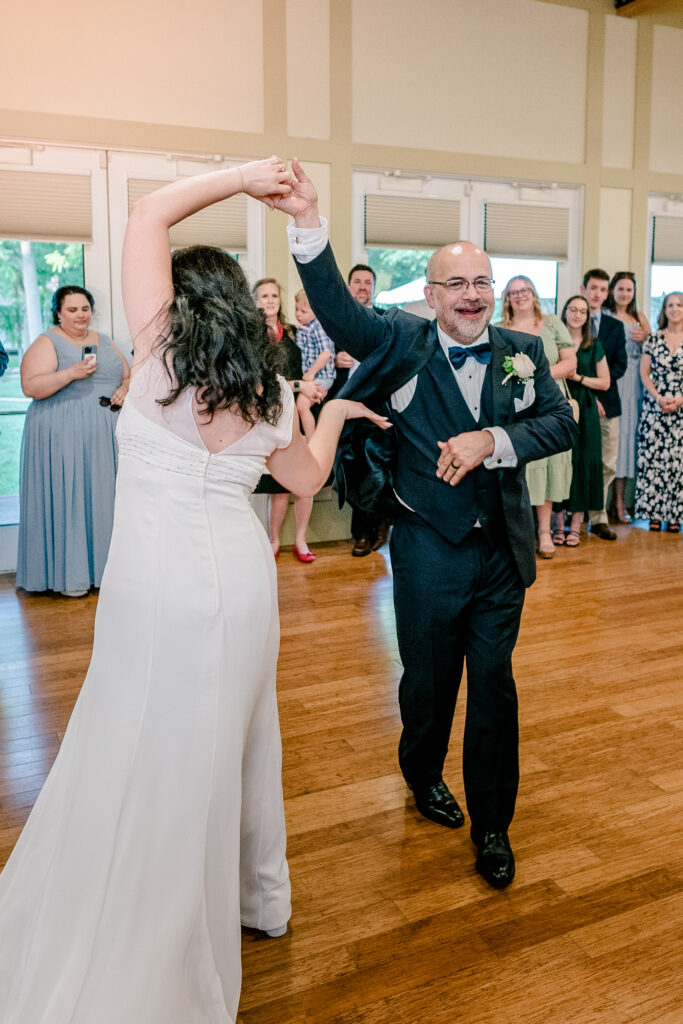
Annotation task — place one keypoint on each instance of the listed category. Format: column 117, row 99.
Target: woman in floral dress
column 659, row 487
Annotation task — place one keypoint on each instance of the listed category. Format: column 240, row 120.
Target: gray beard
column 466, row 332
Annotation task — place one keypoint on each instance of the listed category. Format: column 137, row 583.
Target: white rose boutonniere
column 519, row 366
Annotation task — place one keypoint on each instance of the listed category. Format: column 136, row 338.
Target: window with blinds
column 45, row 206
column 667, row 240
column 404, row 222
column 224, row 224
column 540, row 232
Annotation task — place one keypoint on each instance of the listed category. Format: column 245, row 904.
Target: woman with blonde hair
column 268, row 297
column 549, row 479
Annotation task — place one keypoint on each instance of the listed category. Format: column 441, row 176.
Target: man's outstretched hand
column 302, row 201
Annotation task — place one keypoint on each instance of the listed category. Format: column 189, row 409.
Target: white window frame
column 39, row 158
column 473, row 194
column 657, row 206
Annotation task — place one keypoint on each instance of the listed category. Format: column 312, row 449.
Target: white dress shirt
column 307, row 243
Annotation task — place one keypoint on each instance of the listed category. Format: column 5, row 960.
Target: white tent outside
column 413, row 291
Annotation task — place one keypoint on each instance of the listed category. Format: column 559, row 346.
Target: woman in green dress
column 548, row 479
column 591, row 375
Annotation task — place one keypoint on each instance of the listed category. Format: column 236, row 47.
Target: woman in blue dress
column 621, row 302
column 68, row 455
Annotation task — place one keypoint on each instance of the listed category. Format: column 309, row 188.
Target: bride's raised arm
column 146, row 270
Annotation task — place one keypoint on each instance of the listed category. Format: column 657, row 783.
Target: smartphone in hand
column 89, row 352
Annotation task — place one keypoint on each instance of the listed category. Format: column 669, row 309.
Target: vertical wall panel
column 308, row 68
column 320, row 176
column 619, row 91
column 614, row 252
column 666, row 137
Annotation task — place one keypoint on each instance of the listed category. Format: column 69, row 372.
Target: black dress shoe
column 603, row 531
column 495, row 860
column 361, row 548
column 438, row 804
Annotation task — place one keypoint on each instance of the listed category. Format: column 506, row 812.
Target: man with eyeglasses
column 462, row 549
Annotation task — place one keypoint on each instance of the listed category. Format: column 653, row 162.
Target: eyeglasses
column 106, row 402
column 577, row 309
column 520, row 292
column 461, row 284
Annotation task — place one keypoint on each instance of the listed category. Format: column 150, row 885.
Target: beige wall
column 460, row 86
column 532, row 89
column 157, row 61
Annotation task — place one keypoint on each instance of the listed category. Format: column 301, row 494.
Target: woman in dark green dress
column 592, row 376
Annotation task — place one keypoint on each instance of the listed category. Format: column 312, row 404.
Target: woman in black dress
column 591, row 375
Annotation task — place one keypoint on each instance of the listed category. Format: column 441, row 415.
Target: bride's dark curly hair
column 217, row 339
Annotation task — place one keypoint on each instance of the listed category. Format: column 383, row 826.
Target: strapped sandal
column 573, row 539
column 655, row 525
column 558, row 537
column 673, row 528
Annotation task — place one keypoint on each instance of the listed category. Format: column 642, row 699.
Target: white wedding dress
column 161, row 824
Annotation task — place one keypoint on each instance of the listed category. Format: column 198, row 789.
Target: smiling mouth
column 470, row 312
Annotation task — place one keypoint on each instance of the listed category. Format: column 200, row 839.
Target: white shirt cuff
column 504, row 456
column 307, row 243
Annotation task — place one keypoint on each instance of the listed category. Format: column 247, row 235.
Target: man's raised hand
column 302, row 201
column 267, row 180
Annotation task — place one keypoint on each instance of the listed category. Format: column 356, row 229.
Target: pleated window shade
column 224, row 224
column 401, row 222
column 45, row 206
column 667, row 240
column 535, row 231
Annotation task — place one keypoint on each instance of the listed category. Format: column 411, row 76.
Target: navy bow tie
column 458, row 356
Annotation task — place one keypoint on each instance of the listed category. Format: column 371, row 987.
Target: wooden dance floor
column 391, row 923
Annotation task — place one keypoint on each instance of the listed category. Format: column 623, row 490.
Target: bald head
column 453, row 254
column 463, row 310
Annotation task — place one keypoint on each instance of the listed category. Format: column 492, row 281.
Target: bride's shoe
column 275, row 933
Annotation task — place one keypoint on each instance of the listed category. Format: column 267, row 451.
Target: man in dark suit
column 466, row 422
column 369, row 530
column 611, row 333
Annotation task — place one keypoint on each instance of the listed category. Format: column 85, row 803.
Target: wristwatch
column 296, row 386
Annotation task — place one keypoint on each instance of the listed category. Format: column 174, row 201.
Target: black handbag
column 365, row 464
column 364, row 469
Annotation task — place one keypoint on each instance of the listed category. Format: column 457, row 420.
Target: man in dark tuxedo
column 611, row 333
column 465, row 423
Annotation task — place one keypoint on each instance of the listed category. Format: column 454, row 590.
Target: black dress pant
column 363, row 524
column 458, row 604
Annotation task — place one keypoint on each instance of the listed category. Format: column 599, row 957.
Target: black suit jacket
column 394, row 347
column 613, row 337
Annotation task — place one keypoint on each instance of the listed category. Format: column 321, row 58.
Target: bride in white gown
column 161, row 825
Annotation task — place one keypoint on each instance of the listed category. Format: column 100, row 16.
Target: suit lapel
column 502, row 393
